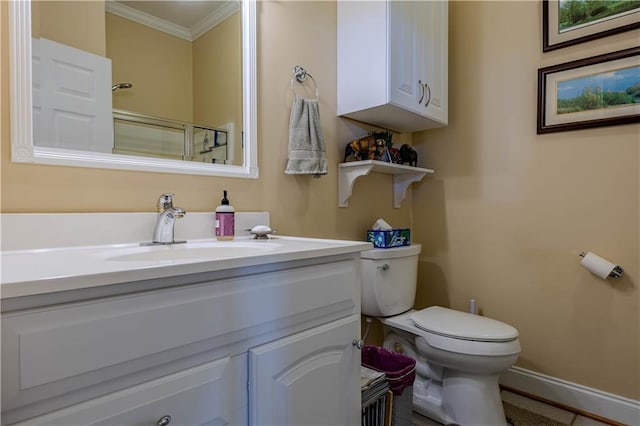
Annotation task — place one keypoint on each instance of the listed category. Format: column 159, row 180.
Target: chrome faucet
column 163, row 232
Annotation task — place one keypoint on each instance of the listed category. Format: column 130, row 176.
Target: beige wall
column 217, row 78
column 289, row 33
column 507, row 212
column 158, row 65
column 502, row 220
column 50, row 19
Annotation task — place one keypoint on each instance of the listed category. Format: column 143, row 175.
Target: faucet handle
column 178, row 213
column 165, row 202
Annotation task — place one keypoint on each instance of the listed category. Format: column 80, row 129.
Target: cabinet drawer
column 213, row 393
column 66, row 354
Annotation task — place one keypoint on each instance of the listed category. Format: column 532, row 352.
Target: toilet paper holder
column 616, row 272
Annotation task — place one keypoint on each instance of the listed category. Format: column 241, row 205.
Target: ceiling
column 187, row 19
column 185, row 13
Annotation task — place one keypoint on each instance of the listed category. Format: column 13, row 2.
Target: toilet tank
column 389, row 278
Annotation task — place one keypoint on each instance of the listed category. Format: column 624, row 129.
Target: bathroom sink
column 192, row 250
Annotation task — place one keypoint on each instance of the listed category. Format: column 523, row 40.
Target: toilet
column 459, row 356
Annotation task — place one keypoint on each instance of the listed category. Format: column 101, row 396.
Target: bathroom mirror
column 22, row 117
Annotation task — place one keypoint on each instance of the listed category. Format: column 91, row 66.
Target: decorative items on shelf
column 371, row 147
column 408, row 155
column 394, row 155
column 379, row 146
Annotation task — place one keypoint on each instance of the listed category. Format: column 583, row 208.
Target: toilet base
column 446, row 395
column 480, row 396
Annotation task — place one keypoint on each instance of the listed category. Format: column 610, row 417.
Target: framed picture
column 569, row 22
column 599, row 91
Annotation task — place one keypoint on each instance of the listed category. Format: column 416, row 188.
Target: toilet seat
column 461, row 325
column 453, row 344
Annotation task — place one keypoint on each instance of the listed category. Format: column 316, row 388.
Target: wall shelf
column 403, row 176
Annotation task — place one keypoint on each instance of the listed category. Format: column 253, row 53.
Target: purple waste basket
column 400, row 369
column 401, row 373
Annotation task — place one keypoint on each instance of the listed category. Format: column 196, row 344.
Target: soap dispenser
column 225, row 219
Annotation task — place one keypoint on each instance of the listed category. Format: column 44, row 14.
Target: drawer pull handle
column 164, row 421
column 421, row 91
column 384, row 267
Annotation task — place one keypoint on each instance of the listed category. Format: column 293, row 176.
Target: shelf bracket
column 403, row 176
column 400, row 185
column 347, row 178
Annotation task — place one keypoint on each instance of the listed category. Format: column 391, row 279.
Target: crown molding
column 189, row 34
column 213, row 19
column 149, row 20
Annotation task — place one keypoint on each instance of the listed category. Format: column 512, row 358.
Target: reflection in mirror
column 142, row 88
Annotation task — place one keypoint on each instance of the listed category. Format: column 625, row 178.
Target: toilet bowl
column 459, row 356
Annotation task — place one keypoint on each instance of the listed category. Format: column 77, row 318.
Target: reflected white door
column 72, row 105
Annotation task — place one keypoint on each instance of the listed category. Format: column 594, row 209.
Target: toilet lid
column 461, row 325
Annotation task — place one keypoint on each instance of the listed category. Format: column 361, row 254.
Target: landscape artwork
column 603, row 90
column 577, row 13
column 569, row 22
column 608, row 90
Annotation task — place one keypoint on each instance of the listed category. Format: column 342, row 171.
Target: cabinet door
column 418, row 45
column 434, row 16
column 406, row 53
column 210, row 394
column 310, row 378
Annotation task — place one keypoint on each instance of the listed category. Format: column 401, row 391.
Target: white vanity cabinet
column 253, row 344
column 393, row 63
column 209, row 394
column 295, row 380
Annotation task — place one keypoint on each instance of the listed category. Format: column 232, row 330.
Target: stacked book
column 374, row 385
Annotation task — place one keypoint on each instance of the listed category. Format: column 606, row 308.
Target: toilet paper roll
column 597, row 265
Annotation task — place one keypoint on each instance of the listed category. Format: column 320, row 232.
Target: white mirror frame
column 24, row 151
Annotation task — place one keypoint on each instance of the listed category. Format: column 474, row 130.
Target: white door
column 72, row 106
column 310, row 378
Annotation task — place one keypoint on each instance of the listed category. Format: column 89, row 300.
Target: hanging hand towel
column 307, row 154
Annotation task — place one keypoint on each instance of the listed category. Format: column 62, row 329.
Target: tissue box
column 391, row 238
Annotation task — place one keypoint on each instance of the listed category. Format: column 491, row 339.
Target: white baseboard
column 610, row 406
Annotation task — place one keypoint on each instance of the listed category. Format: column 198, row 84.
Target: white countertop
column 39, row 271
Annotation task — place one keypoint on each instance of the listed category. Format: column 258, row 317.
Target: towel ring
column 300, row 75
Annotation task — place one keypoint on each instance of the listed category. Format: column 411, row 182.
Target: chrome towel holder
column 300, row 75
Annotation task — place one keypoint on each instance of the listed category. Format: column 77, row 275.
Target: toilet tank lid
column 461, row 325
column 392, row 253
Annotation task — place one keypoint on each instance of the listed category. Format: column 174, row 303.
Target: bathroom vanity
column 240, row 332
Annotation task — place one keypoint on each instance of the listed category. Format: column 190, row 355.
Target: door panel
column 72, row 98
column 310, row 378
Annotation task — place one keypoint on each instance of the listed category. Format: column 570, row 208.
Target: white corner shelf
column 403, row 176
